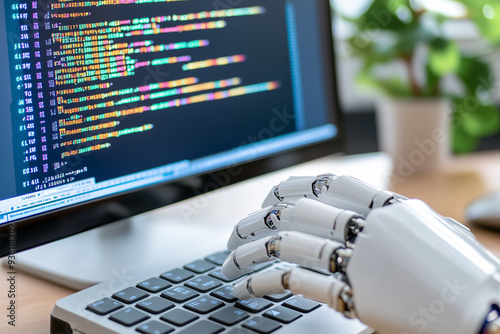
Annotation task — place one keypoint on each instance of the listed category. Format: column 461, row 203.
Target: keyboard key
column 155, row 305
column 200, row 266
column 104, row 306
column 203, row 283
column 203, row 327
column 204, row 305
column 225, row 293
column 177, row 275
column 154, row 284
column 129, row 316
column 219, row 275
column 179, row 317
column 218, row 258
column 254, row 305
column 282, row 314
column 278, row 297
column 179, row 294
column 261, row 325
column 301, row 304
column 130, row 295
column 154, row 327
column 229, row 316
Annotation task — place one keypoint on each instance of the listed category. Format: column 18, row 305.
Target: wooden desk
column 447, row 192
column 450, row 191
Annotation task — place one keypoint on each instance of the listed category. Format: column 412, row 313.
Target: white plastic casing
column 307, row 216
column 252, row 226
column 411, row 272
column 265, row 283
column 291, row 190
column 343, row 192
column 306, row 250
column 316, row 218
column 244, row 258
column 349, row 193
column 294, row 247
column 316, row 286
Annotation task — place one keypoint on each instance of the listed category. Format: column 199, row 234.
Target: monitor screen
column 105, row 99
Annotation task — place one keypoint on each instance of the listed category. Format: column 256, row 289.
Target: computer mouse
column 485, row 211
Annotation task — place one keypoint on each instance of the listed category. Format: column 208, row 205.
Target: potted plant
column 408, row 57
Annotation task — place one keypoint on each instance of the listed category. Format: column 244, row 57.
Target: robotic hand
column 397, row 265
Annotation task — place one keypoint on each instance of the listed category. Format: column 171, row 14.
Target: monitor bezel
column 50, row 226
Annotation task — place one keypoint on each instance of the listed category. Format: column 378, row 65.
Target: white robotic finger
column 246, row 257
column 293, row 189
column 307, row 216
column 322, row 220
column 344, row 192
column 294, row 247
column 326, row 289
column 261, row 284
column 256, row 225
column 350, row 193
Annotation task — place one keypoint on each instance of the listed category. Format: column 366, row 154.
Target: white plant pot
column 415, row 133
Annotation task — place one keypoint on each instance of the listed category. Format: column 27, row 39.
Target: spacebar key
column 203, row 327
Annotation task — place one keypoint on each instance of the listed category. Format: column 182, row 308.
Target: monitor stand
column 180, row 232
column 88, row 258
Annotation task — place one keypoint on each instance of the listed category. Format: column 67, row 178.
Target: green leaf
column 471, row 121
column 486, row 15
column 365, row 78
column 444, row 57
column 475, row 75
column 382, row 14
column 461, row 141
column 372, row 51
column 393, row 86
column 481, row 122
column 412, row 35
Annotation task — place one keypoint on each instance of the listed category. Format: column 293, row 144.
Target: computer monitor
column 111, row 108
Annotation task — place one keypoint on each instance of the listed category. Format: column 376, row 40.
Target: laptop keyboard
column 198, row 299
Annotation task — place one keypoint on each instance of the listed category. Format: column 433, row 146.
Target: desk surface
column 448, row 192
